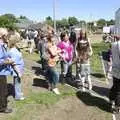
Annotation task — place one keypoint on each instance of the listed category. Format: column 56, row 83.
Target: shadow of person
column 40, row 83
column 70, row 80
column 101, row 90
column 38, row 71
column 93, row 101
column 98, row 75
column 11, row 90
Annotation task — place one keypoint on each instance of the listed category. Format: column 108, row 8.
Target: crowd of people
column 66, row 50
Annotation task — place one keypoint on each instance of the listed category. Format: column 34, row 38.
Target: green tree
column 101, row 23
column 8, row 21
column 23, row 17
column 64, row 23
column 49, row 21
column 72, row 21
column 111, row 22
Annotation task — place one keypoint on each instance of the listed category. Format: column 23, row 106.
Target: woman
column 53, row 53
column 18, row 66
column 4, row 70
column 67, row 55
column 83, row 53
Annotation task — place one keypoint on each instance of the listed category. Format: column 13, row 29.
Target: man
column 115, row 90
column 4, row 71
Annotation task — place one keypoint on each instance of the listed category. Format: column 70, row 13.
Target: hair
column 62, row 35
column 81, row 37
column 72, row 37
column 83, row 48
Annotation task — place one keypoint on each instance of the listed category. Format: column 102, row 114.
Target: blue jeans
column 53, row 76
column 17, row 85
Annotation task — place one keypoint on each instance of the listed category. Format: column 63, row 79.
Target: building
column 117, row 22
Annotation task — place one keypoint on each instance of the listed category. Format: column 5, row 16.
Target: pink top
column 67, row 50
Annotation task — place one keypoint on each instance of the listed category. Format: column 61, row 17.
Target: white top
column 116, row 59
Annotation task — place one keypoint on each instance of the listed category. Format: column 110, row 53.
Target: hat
column 3, row 31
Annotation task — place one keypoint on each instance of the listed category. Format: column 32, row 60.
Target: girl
column 18, row 66
column 53, row 53
column 83, row 53
column 67, row 55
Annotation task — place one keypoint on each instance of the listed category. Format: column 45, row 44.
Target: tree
column 64, row 23
column 48, row 18
column 23, row 17
column 111, row 22
column 72, row 21
column 49, row 21
column 101, row 23
column 8, row 21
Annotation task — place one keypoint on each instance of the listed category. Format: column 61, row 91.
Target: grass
column 96, row 64
column 34, row 56
column 41, row 99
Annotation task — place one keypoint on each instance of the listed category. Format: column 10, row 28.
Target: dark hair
column 62, row 35
column 72, row 37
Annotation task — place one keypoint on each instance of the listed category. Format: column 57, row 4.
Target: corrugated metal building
column 117, row 22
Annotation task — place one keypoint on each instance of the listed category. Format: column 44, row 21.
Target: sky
column 38, row 10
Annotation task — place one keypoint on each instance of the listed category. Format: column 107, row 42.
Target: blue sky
column 82, row 9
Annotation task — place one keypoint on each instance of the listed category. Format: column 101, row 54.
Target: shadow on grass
column 98, row 75
column 70, row 80
column 40, row 83
column 101, row 91
column 38, row 71
column 93, row 101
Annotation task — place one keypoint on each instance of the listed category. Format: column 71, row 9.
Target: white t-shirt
column 116, row 59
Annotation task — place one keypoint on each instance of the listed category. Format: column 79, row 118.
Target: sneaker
column 22, row 98
column 83, row 89
column 56, row 91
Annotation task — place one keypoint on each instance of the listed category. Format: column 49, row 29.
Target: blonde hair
column 13, row 40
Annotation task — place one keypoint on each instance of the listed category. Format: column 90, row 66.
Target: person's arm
column 90, row 48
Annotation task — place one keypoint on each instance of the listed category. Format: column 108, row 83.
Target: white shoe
column 83, row 89
column 56, row 91
column 22, row 98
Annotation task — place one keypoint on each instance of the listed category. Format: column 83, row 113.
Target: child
column 84, row 51
column 67, row 55
column 18, row 66
column 53, row 53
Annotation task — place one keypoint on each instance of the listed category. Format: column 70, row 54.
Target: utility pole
column 54, row 14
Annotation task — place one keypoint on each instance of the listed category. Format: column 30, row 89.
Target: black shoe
column 7, row 110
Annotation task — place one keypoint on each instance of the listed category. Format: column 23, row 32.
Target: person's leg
column 117, row 100
column 65, row 70
column 83, row 83
column 69, row 72
column 18, row 90
column 55, row 77
column 112, row 93
column 89, row 82
column 3, row 95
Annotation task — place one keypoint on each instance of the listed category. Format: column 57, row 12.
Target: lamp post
column 54, row 14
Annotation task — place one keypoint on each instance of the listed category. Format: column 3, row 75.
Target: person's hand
column 8, row 61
